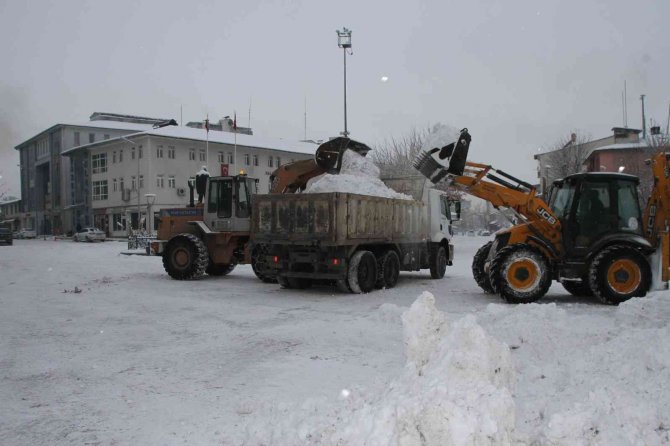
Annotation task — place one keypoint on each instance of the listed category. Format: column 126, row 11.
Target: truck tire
column 362, row 274
column 219, row 269
column 388, row 270
column 478, row 272
column 259, row 266
column 579, row 289
column 185, row 257
column 438, row 261
column 520, row 274
column 283, row 282
column 343, row 285
column 618, row 273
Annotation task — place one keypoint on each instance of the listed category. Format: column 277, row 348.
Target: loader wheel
column 185, row 257
column 578, row 289
column 520, row 274
column 362, row 274
column 219, row 269
column 259, row 265
column 388, row 270
column 618, row 273
column 478, row 272
column 438, row 262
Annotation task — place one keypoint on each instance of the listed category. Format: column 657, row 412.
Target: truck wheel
column 618, row 273
column 219, row 269
column 388, row 270
column 478, row 271
column 260, row 267
column 362, row 274
column 578, row 289
column 438, row 262
column 520, row 274
column 185, row 257
column 343, row 285
column 299, row 283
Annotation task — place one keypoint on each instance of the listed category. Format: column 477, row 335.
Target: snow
column 102, row 348
column 358, row 175
column 440, row 135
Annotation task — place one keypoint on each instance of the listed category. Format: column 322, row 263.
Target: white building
column 123, row 170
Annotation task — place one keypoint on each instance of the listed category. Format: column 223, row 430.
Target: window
column 246, row 159
column 140, row 152
column 270, row 161
column 220, row 198
column 141, row 181
column 133, row 182
column 114, row 184
column 159, row 181
column 278, row 161
column 171, row 152
column 121, row 156
column 91, row 138
column 113, row 157
column 132, row 153
column 100, row 190
column 171, row 182
column 255, row 160
column 106, row 136
column 231, row 159
column 220, row 157
column 191, row 154
column 203, row 156
column 99, row 163
column 159, row 151
column 77, row 139
column 628, row 209
column 121, row 184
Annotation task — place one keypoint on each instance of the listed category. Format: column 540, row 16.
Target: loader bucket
column 329, row 154
column 455, row 155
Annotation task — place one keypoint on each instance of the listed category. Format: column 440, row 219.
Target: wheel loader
column 214, row 236
column 591, row 236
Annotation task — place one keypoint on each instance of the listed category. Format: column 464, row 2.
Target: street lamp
column 151, row 199
column 344, row 42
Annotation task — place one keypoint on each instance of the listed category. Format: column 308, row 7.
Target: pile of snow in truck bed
column 456, row 388
column 358, row 175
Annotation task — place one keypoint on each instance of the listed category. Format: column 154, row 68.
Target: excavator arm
column 656, row 215
column 293, row 177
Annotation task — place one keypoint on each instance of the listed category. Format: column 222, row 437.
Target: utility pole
column 644, row 123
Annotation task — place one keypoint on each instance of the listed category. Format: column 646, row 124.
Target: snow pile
column 454, row 390
column 358, row 175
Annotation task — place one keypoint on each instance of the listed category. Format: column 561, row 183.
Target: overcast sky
column 519, row 74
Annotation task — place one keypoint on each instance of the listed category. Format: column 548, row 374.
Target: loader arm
column 504, row 191
column 656, row 215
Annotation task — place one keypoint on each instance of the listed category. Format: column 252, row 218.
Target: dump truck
column 356, row 242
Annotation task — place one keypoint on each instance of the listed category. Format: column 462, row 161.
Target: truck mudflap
column 450, row 261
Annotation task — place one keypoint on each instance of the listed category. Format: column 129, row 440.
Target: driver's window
column 443, row 207
column 593, row 212
column 220, row 198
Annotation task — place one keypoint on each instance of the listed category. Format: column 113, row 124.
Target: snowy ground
column 137, row 358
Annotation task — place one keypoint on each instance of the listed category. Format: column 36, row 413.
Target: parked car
column 485, row 233
column 6, row 236
column 89, row 235
column 26, row 233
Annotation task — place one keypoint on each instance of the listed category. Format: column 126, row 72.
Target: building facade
column 52, row 201
column 136, row 176
column 10, row 214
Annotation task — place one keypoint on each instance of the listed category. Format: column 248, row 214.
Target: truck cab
column 228, row 203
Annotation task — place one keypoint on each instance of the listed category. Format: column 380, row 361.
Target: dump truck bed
column 336, row 219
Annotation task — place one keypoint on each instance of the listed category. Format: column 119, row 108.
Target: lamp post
column 344, row 42
column 151, row 199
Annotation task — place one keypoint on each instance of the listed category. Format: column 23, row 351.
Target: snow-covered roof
column 194, row 134
column 622, row 146
column 14, row 200
column 112, row 125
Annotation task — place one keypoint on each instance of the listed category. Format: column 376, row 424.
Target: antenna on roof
column 249, row 122
column 305, row 138
column 625, row 105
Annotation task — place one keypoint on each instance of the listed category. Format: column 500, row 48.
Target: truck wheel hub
column 181, row 258
column 523, row 274
column 624, row 276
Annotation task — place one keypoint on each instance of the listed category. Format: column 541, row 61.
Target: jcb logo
column 542, row 212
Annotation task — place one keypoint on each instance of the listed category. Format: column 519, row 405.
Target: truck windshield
column 243, row 199
column 220, row 198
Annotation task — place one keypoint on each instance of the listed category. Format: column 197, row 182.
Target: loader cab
column 228, row 203
column 595, row 209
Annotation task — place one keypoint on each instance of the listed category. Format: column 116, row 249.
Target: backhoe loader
column 591, row 236
column 213, row 237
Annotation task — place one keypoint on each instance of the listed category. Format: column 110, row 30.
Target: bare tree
column 566, row 156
